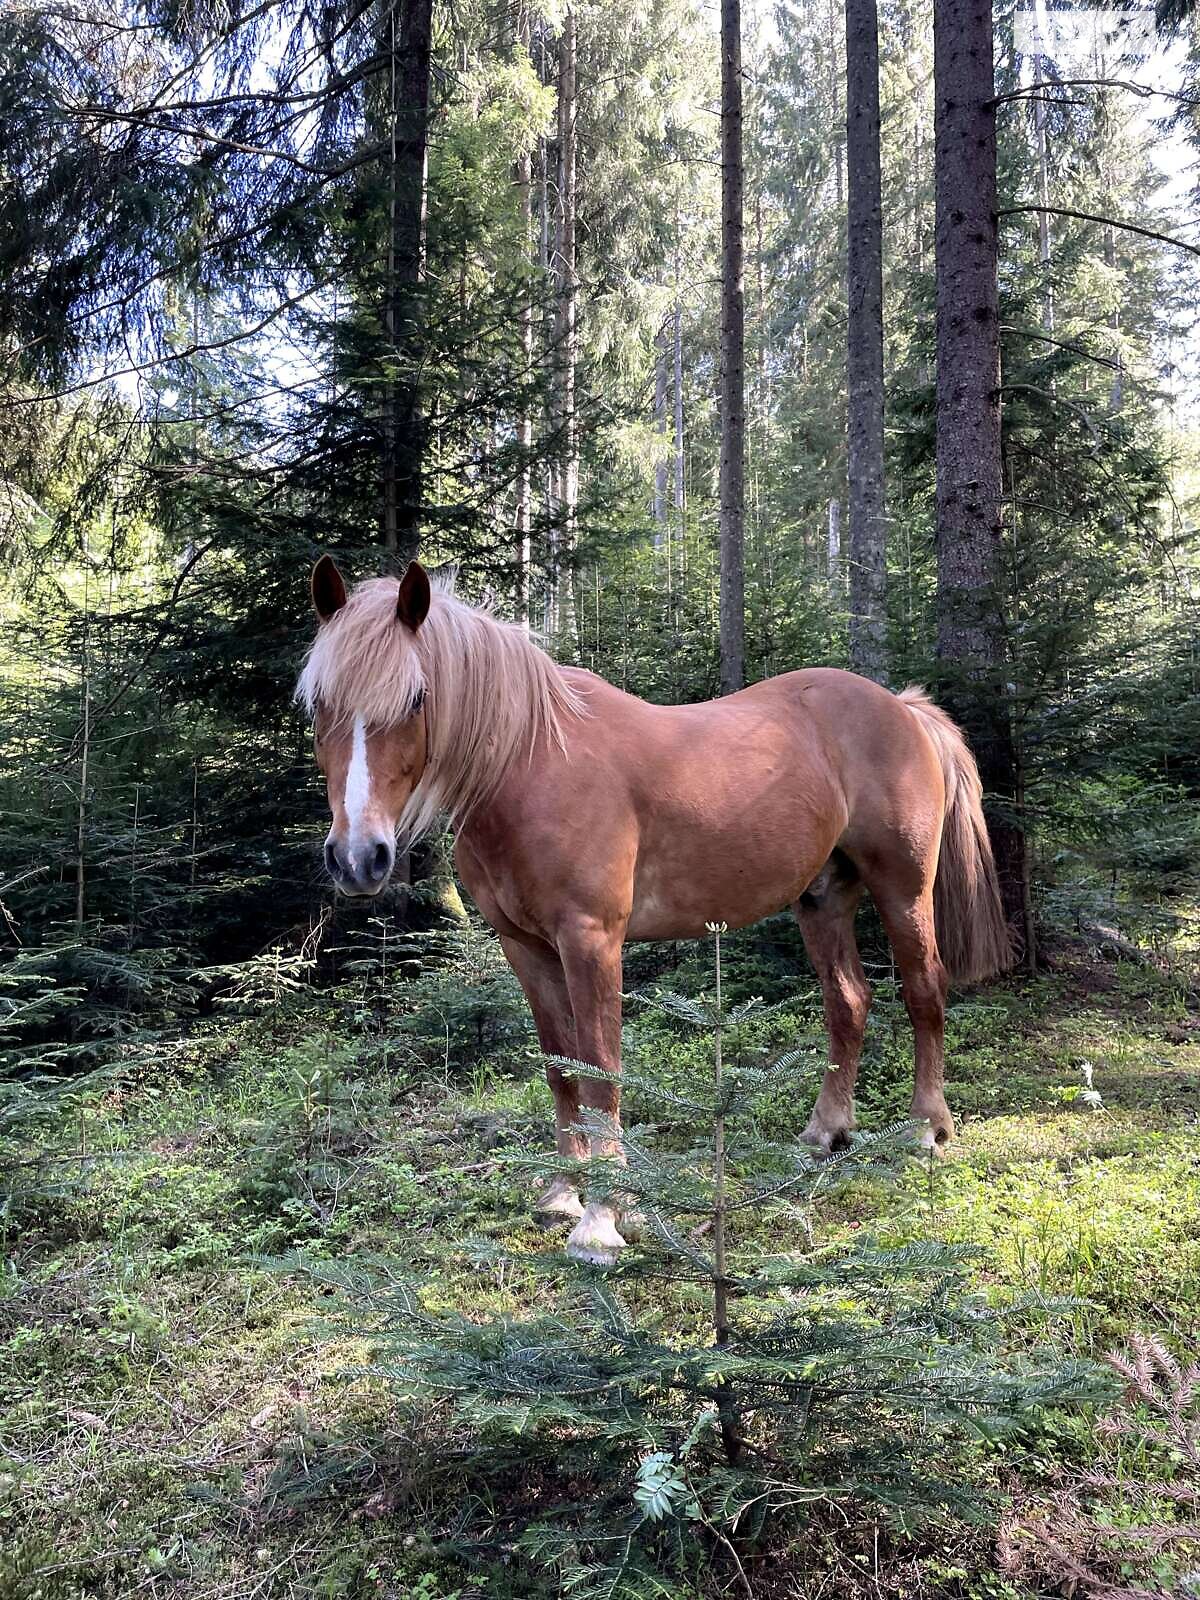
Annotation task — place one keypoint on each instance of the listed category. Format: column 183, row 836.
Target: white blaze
column 358, row 780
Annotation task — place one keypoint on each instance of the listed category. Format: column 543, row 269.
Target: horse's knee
column 847, row 1004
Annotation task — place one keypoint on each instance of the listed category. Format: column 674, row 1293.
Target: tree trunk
column 524, row 517
column 677, row 384
column 1116, row 389
column 566, row 339
column 1039, row 131
column 85, row 752
column 733, row 372
column 835, row 95
column 660, row 433
column 549, row 360
column 864, row 346
column 406, row 39
column 971, row 640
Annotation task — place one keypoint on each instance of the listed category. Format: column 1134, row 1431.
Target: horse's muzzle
column 361, row 869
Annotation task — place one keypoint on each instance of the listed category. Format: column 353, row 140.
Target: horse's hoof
column 827, row 1137
column 936, row 1133
column 594, row 1239
column 558, row 1206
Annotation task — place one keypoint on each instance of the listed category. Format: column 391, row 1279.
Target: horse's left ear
column 412, row 603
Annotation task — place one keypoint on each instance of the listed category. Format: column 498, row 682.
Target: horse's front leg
column 540, row 974
column 590, row 951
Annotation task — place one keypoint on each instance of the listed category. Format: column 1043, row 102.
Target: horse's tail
column 972, row 933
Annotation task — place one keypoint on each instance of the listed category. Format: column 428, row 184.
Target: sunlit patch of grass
column 1113, row 1220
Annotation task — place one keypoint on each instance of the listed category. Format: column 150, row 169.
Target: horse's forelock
column 489, row 691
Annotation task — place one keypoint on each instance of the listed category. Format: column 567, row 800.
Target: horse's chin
column 362, row 894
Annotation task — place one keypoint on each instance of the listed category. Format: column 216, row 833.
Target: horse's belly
column 681, row 887
column 655, row 920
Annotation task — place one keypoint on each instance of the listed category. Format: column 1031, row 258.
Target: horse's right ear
column 328, row 588
column 413, row 599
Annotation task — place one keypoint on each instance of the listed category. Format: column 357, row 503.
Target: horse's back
column 674, row 816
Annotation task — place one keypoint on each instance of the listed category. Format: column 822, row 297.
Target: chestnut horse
column 585, row 817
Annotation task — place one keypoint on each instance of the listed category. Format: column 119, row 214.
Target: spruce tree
column 816, row 1373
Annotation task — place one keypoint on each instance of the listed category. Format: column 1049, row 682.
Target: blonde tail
column 972, row 934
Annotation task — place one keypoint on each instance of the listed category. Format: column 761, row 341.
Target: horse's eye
column 417, row 703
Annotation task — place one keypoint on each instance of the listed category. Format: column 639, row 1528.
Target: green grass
column 174, row 1421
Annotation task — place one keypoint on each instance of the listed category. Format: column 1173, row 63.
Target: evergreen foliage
column 805, row 1377
column 155, row 538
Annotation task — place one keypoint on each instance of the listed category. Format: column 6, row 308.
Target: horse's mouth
column 353, row 891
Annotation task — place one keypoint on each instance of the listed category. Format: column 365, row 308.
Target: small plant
column 804, row 1374
column 306, row 1150
column 1085, row 1092
column 1127, row 1527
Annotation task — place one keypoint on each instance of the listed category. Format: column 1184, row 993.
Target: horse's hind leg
column 540, row 974
column 907, row 918
column 825, row 912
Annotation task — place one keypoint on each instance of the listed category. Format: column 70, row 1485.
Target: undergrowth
column 172, row 1422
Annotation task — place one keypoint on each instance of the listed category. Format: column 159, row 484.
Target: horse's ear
column 328, row 588
column 412, row 603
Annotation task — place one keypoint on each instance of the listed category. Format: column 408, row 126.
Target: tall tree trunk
column 524, row 517
column 733, row 365
column 566, row 338
column 969, row 469
column 1116, row 389
column 85, row 748
column 406, row 40
column 835, row 94
column 548, row 278
column 660, row 433
column 677, row 385
column 833, row 544
column 1040, row 141
column 864, row 346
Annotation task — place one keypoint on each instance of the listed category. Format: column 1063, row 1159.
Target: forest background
column 243, row 328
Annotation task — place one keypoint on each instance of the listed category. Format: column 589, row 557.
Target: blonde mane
column 490, row 693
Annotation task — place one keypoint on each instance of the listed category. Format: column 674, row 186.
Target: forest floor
column 177, row 1420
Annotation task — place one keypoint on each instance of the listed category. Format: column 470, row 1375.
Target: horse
column 585, row 817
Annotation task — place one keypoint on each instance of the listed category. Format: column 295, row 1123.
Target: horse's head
column 372, row 760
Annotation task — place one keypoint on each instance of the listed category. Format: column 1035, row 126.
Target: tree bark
column 971, row 632
column 733, row 364
column 566, row 338
column 1041, row 144
column 864, row 346
column 85, row 752
column 548, row 157
column 524, row 518
column 677, row 385
column 406, row 40
column 659, row 505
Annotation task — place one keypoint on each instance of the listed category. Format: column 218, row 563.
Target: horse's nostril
column 381, row 861
column 332, row 864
